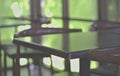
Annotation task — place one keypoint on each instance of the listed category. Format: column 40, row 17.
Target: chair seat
column 10, row 50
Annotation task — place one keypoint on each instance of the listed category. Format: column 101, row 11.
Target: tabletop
column 79, row 42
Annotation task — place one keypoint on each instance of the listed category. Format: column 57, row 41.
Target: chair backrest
column 104, row 26
column 44, row 31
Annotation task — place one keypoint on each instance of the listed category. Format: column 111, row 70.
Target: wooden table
column 80, row 45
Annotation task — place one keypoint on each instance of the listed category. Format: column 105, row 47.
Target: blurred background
column 81, row 14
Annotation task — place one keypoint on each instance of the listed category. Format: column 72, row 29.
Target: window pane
column 84, row 9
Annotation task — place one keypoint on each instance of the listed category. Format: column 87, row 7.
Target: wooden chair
column 10, row 51
column 6, row 30
column 106, row 56
column 105, row 28
column 10, row 47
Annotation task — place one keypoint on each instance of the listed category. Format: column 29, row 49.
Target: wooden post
column 118, row 70
column 65, row 14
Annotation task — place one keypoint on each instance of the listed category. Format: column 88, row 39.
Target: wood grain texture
column 112, row 56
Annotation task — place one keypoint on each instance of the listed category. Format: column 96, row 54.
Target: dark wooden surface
column 110, row 56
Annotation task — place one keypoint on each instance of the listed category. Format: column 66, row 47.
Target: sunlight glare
column 74, row 65
column 47, row 61
column 23, row 27
column 16, row 9
column 23, row 61
column 58, row 62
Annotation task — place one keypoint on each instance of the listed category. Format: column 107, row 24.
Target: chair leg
column 39, row 67
column 118, row 70
column 51, row 66
column 13, row 68
column 84, row 67
column 67, row 65
column 5, row 64
column 16, row 68
column 0, row 63
column 29, row 72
